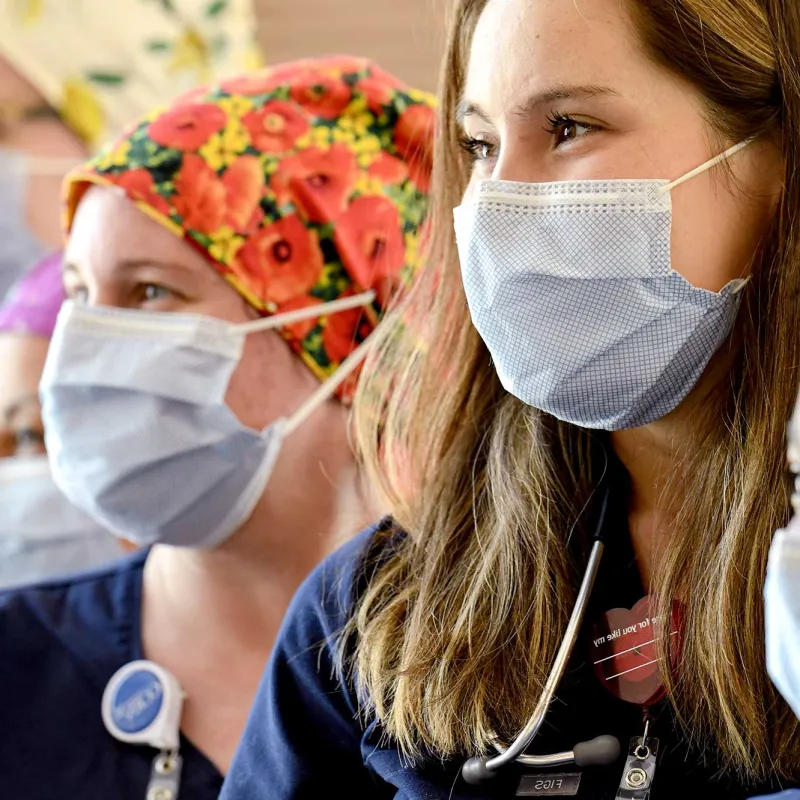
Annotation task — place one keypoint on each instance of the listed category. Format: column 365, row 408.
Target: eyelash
column 557, row 122
column 472, row 146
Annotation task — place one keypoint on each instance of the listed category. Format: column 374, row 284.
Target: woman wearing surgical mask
column 586, row 424
column 42, row 535
column 227, row 261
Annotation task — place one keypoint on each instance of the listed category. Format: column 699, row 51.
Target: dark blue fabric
column 791, row 794
column 59, row 645
column 304, row 740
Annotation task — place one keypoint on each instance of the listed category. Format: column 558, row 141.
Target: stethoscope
column 601, row 751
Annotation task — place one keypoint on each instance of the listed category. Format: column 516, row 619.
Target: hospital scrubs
column 305, row 740
column 59, row 645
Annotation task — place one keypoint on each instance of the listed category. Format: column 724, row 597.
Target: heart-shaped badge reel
column 624, row 651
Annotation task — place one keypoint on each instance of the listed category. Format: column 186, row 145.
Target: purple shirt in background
column 32, row 304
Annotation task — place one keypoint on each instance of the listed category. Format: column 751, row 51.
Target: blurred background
column 404, row 36
column 73, row 72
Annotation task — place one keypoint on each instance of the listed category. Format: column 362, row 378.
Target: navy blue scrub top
column 60, row 643
column 304, row 740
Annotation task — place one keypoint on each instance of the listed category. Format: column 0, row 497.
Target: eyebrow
column 531, row 104
column 134, row 263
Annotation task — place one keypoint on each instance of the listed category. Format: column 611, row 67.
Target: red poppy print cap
column 301, row 184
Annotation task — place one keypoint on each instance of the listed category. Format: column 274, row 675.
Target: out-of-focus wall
column 404, row 36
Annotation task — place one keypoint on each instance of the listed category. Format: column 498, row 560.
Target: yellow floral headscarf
column 101, row 63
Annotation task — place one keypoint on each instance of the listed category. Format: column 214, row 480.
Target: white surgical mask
column 137, row 428
column 782, row 618
column 782, row 590
column 571, row 288
column 42, row 535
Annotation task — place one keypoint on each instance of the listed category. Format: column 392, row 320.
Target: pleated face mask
column 571, row 288
column 782, row 590
column 137, row 429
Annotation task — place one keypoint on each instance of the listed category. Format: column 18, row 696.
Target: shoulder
column 61, row 641
column 90, row 617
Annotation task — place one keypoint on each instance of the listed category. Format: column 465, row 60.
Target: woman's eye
column 564, row 129
column 79, row 294
column 152, row 292
column 29, row 441
column 477, row 149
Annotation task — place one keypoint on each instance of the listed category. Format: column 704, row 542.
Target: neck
column 653, row 456
column 211, row 616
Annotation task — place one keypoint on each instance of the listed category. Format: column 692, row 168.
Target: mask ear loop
column 346, row 368
column 312, row 312
column 710, row 164
column 328, row 389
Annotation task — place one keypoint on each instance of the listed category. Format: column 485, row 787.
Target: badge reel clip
column 142, row 704
column 640, row 767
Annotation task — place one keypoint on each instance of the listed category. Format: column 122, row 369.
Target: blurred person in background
column 42, row 535
column 72, row 75
column 290, row 199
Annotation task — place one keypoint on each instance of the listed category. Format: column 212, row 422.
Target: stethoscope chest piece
column 142, row 705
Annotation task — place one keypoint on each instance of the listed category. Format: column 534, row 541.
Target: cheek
column 269, row 382
column 250, row 395
column 715, row 232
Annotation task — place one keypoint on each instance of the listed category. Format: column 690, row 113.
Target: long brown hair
column 458, row 627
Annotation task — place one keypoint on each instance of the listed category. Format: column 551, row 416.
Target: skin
column 531, row 59
column 41, row 136
column 210, row 617
column 22, row 357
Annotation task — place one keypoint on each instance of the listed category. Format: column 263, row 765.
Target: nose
column 521, row 160
column 103, row 292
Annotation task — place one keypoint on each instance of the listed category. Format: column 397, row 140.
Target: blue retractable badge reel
column 142, row 704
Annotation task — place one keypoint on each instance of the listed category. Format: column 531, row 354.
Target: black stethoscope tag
column 640, row 769
column 565, row 784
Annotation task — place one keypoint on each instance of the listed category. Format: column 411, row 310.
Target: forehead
column 108, row 229
column 523, row 47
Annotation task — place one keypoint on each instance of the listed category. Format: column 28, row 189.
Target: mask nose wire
column 710, row 164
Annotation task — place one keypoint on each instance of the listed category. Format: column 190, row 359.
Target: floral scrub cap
column 301, row 184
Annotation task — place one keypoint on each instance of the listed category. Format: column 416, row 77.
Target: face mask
column 42, row 535
column 570, row 287
column 19, row 247
column 782, row 619
column 782, row 591
column 137, row 428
